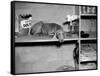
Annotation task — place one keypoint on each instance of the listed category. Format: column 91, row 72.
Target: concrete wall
column 43, row 58
column 44, row 12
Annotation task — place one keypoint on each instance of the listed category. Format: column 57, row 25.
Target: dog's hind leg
column 36, row 29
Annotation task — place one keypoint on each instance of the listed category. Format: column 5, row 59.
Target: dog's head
column 60, row 35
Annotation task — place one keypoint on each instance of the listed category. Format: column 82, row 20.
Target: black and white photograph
column 51, row 37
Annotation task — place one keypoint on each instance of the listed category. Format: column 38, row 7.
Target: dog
column 48, row 29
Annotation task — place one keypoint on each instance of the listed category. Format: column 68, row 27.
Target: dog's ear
column 57, row 35
column 60, row 37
